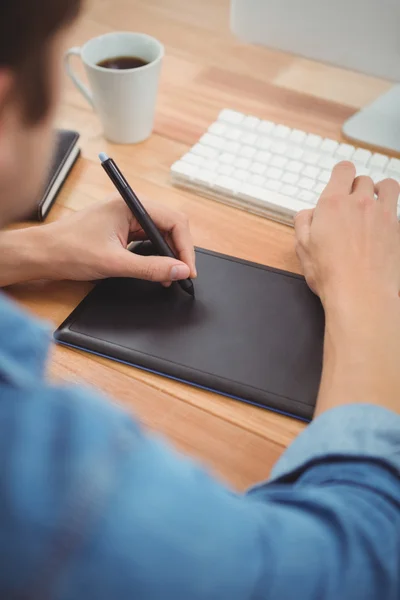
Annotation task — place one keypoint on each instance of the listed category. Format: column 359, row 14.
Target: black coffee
column 123, row 62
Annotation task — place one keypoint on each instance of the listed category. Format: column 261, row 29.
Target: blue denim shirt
column 91, row 508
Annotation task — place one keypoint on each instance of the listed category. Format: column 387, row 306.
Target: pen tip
column 103, row 156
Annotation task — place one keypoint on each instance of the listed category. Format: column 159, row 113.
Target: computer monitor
column 361, row 35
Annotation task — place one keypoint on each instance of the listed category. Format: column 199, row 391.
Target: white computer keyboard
column 267, row 168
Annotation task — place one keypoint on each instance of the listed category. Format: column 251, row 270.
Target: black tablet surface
column 252, row 332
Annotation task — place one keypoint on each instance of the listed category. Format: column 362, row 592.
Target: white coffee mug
column 124, row 99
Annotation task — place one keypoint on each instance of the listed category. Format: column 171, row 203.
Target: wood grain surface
column 206, row 69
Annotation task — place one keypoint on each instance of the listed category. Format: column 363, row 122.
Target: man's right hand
column 349, row 246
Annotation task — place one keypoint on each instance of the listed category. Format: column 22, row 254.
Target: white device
column 362, row 35
column 269, row 169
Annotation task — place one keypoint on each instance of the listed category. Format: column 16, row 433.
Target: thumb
column 302, row 226
column 150, row 268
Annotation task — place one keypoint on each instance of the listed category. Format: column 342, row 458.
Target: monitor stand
column 378, row 125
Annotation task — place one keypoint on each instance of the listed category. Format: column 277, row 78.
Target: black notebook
column 252, row 332
column 66, row 154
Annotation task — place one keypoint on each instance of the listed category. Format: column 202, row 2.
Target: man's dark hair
column 26, row 28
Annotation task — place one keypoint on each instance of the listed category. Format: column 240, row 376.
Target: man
column 93, row 508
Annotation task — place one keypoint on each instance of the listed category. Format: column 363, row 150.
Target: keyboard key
column 311, row 172
column 291, row 178
column 319, row 188
column 309, row 197
column 297, row 136
column 251, row 123
column 227, row 158
column 294, row 166
column 361, row 170
column 253, row 193
column 233, row 134
column 183, row 168
column 205, row 177
column 278, row 161
column 257, row 180
column 290, row 190
column 328, row 162
column 247, row 152
column 232, row 147
column 228, row 184
column 242, row 163
column 193, row 159
column 263, row 157
column 306, row 183
column 249, row 139
column 266, row 127
column 394, row 166
column 213, row 141
column 345, row 151
column 329, row 146
column 325, row 176
column 275, row 202
column 227, row 170
column 205, row 151
column 274, row 173
column 313, row 141
column 378, row 176
column 256, row 194
column 264, row 143
column 311, row 158
column 294, row 152
column 218, row 129
column 241, row 174
column 231, row 116
column 210, row 165
column 281, row 131
column 361, row 156
column 257, row 168
column 273, row 185
column 378, row 161
column 279, row 148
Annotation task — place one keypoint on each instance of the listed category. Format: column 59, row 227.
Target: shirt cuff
column 355, row 431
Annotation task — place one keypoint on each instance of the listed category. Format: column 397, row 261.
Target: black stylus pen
column 141, row 214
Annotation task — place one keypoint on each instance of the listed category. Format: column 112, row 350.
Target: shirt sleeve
column 356, row 432
column 93, row 508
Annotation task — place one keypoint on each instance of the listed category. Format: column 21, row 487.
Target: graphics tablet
column 252, row 332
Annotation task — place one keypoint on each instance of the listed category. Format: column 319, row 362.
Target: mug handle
column 76, row 51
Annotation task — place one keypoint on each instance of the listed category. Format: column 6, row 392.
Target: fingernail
column 179, row 272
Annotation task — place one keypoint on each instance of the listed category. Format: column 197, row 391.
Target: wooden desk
column 206, row 69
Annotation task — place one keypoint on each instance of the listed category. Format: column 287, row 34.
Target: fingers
column 341, row 181
column 388, row 193
column 177, row 226
column 302, row 225
column 150, row 268
column 364, row 185
column 183, row 243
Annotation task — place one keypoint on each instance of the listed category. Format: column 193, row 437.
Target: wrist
column 23, row 256
column 362, row 343
column 359, row 304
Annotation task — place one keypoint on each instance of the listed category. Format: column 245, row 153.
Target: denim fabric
column 92, row 508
